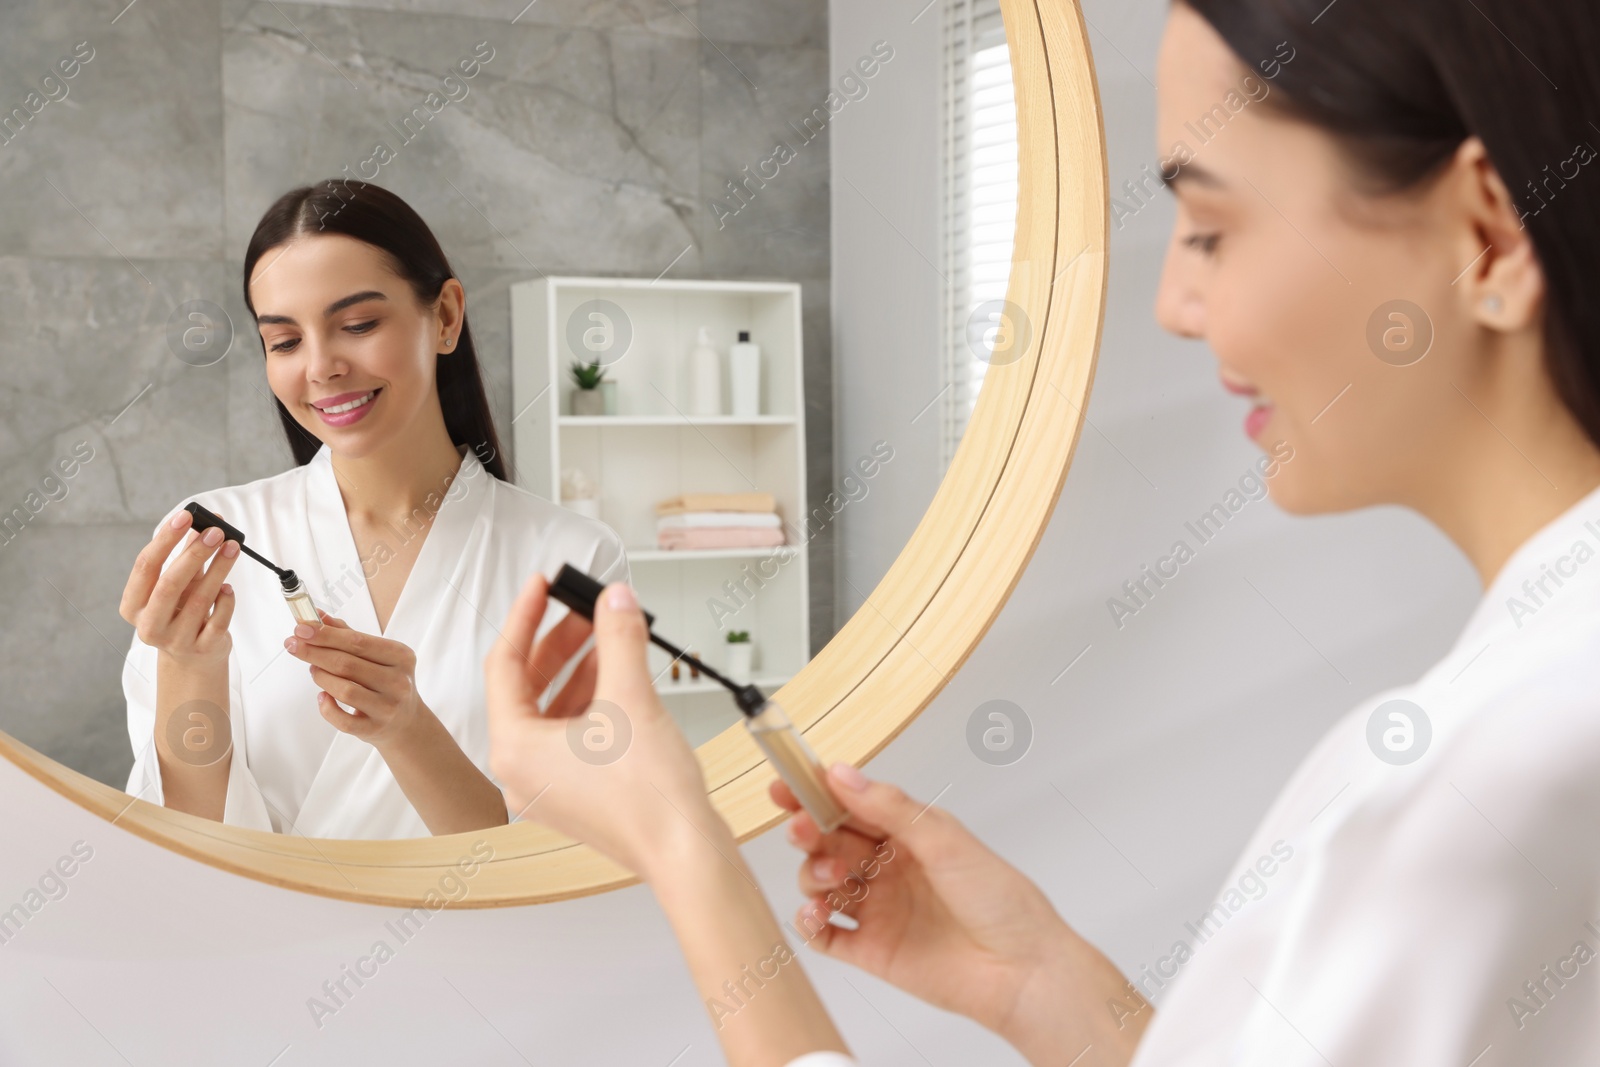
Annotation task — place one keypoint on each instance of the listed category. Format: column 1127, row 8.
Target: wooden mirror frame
column 916, row 628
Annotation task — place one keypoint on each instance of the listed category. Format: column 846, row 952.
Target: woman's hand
column 183, row 612
column 373, row 675
column 616, row 773
column 613, row 771
column 947, row 920
column 377, row 677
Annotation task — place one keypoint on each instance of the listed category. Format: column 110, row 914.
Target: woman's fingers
column 578, row 693
column 148, row 563
column 555, row 648
column 622, row 639
column 506, row 669
column 347, row 692
column 221, row 616
column 333, row 634
column 356, row 724
column 174, row 581
column 782, row 795
column 811, row 920
column 201, row 596
column 342, row 664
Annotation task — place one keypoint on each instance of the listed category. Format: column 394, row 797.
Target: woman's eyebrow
column 1193, row 174
column 337, row 306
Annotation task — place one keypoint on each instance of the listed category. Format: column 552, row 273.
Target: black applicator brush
column 768, row 723
column 205, row 520
column 578, row 591
column 294, row 591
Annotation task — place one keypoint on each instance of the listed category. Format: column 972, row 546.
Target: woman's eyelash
column 356, row 328
column 1205, row 242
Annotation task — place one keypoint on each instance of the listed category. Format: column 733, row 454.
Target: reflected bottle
column 299, row 601
column 795, row 763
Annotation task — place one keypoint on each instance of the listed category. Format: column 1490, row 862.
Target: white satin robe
column 1443, row 913
column 292, row 772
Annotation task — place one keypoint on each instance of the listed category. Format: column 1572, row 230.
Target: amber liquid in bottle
column 796, row 764
column 300, row 605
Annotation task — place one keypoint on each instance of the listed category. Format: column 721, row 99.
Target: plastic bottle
column 744, row 376
column 705, row 377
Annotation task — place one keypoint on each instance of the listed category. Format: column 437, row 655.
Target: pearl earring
column 449, row 341
column 1493, row 304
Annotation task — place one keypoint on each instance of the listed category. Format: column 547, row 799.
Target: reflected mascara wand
column 294, row 590
column 768, row 723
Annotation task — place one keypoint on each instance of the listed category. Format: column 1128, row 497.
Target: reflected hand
column 946, row 919
column 613, row 771
column 183, row 611
column 373, row 675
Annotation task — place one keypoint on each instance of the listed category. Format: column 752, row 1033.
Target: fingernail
column 288, row 644
column 620, row 598
column 179, row 519
column 846, row 774
column 211, row 536
column 227, row 590
column 230, row 549
column 304, row 630
column 822, row 870
column 794, row 838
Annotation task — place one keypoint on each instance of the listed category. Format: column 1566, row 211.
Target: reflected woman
column 399, row 519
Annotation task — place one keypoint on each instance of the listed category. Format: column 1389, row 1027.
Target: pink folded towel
column 703, row 537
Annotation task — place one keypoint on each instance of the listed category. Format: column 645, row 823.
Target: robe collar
column 1508, row 602
column 338, row 575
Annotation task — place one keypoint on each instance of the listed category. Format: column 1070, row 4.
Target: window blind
column 980, row 197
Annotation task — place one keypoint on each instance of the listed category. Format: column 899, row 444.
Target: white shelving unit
column 651, row 449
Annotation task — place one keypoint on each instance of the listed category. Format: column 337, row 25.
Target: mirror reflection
column 662, row 294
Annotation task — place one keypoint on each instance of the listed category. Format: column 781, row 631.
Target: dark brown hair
column 1400, row 84
column 381, row 219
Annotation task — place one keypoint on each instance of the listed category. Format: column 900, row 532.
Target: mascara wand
column 205, row 520
column 578, row 591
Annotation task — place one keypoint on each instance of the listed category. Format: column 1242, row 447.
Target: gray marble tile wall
column 594, row 141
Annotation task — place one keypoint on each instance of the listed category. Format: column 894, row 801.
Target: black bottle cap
column 750, row 700
column 204, row 520
column 289, row 579
column 744, row 335
column 579, row 592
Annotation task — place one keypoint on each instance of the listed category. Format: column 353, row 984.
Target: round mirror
column 790, row 324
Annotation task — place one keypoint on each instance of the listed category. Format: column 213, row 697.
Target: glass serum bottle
column 299, row 601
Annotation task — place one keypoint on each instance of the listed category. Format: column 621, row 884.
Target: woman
column 401, row 523
column 1426, row 889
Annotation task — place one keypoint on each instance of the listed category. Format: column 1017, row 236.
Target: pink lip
column 1239, row 390
column 348, row 418
column 342, row 398
column 1258, row 418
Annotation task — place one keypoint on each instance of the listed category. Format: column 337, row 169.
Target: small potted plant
column 741, row 656
column 587, row 398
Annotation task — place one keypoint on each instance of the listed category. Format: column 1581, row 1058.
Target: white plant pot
column 588, row 507
column 741, row 661
column 588, row 402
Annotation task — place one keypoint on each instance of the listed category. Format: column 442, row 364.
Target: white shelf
column 684, row 555
column 655, row 450
column 666, row 687
column 675, row 420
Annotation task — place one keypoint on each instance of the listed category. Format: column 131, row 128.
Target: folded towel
column 701, row 537
column 717, row 502
column 718, row 519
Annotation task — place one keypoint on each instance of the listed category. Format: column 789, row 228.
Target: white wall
column 1169, row 736
column 886, row 281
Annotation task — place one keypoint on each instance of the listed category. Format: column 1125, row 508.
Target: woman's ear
column 1505, row 283
column 452, row 313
